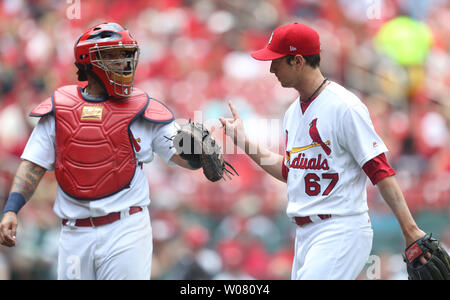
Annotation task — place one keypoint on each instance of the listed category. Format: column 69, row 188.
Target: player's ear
column 298, row 61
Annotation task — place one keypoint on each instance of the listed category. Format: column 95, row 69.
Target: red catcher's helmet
column 116, row 75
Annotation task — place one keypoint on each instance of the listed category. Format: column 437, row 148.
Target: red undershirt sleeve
column 378, row 168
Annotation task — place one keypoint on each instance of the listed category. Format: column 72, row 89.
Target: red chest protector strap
column 43, row 109
column 156, row 111
column 94, row 151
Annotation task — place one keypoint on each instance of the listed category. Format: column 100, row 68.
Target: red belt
column 99, row 221
column 300, row 221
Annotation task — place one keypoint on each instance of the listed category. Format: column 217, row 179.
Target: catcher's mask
column 110, row 54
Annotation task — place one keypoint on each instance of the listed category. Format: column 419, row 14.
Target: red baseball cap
column 291, row 39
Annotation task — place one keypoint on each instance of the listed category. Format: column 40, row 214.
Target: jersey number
column 312, row 186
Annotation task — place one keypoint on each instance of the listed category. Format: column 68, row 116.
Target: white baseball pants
column 332, row 249
column 119, row 250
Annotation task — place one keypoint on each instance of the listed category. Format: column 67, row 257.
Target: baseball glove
column 194, row 143
column 437, row 266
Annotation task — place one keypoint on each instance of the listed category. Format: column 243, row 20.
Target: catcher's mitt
column 194, row 143
column 437, row 266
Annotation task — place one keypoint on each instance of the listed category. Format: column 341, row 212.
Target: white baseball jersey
column 326, row 147
column 40, row 150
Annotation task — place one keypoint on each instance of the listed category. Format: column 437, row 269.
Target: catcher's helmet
column 90, row 56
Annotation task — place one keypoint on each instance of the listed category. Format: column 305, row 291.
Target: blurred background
column 393, row 54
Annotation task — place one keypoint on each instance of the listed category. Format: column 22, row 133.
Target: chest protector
column 94, row 147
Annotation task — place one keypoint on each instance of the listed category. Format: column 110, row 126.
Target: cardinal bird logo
column 315, row 136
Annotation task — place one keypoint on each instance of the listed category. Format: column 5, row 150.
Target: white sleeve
column 161, row 144
column 359, row 136
column 40, row 148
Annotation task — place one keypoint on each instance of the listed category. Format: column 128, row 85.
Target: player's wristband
column 194, row 164
column 15, row 202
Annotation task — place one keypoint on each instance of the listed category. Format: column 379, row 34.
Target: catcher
column 96, row 139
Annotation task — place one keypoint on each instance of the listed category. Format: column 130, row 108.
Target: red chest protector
column 94, row 148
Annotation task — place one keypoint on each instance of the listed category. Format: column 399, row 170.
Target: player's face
column 285, row 72
column 117, row 59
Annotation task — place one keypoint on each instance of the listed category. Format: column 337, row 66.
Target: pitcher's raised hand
column 233, row 127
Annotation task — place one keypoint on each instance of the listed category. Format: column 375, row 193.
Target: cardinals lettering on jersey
column 313, row 163
column 302, row 162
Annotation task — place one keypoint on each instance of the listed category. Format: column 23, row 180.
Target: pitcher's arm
column 269, row 161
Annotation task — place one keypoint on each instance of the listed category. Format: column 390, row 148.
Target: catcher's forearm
column 27, row 178
column 393, row 196
column 269, row 161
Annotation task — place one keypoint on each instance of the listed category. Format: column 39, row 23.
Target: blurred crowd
column 195, row 57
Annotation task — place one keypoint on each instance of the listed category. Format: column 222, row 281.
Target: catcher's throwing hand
column 233, row 127
column 8, row 227
column 195, row 144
